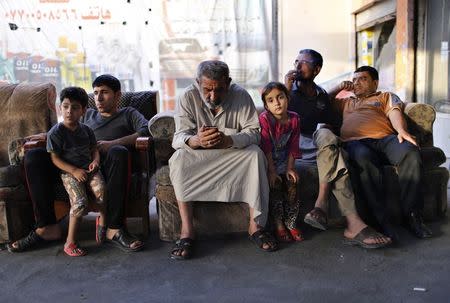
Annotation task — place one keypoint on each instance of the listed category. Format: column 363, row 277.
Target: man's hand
column 292, row 175
column 209, row 137
column 406, row 136
column 104, row 146
column 79, row 174
column 226, row 142
column 290, row 78
column 346, row 85
column 93, row 166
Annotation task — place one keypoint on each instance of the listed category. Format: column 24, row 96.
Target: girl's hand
column 292, row 175
column 80, row 174
column 93, row 167
column 273, row 177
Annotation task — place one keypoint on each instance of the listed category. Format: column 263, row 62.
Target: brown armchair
column 25, row 109
column 142, row 161
column 142, row 164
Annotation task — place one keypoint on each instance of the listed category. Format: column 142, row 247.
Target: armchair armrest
column 145, row 148
column 162, row 129
column 143, row 143
column 420, row 118
column 29, row 145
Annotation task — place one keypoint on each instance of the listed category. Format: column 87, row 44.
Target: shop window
column 376, row 47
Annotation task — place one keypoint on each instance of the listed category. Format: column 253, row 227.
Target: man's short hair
column 315, row 55
column 75, row 94
column 371, row 70
column 107, row 80
column 273, row 85
column 214, row 70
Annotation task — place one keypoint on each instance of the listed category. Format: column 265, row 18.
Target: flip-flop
column 296, row 234
column 366, row 233
column 100, row 231
column 26, row 243
column 123, row 240
column 72, row 250
column 186, row 245
column 261, row 237
column 321, row 222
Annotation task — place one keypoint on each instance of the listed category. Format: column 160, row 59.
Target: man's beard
column 212, row 105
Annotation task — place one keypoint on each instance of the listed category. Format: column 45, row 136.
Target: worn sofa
column 216, row 219
column 25, row 109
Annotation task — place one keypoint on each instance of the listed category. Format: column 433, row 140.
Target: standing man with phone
column 321, row 147
column 217, row 157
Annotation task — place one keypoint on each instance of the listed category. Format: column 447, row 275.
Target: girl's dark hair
column 74, row 94
column 270, row 86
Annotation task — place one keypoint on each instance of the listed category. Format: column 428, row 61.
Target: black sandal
column 26, row 243
column 186, row 245
column 262, row 237
column 123, row 240
column 317, row 218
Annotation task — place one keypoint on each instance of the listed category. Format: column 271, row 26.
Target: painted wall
column 323, row 25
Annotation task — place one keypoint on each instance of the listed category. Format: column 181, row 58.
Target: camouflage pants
column 78, row 195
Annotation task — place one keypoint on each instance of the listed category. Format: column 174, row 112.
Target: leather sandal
column 185, row 245
column 367, row 233
column 317, row 218
column 261, row 237
column 123, row 240
column 26, row 243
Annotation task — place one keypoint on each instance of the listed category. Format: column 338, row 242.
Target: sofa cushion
column 10, row 175
column 163, row 176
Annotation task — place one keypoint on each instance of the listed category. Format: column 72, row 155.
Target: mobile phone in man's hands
column 210, row 127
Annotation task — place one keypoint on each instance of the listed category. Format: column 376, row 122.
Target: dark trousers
column 41, row 176
column 367, row 157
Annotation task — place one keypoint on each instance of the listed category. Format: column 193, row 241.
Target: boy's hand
column 80, row 174
column 273, row 177
column 93, row 167
column 292, row 175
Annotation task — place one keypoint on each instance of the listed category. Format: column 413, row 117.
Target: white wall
column 323, row 25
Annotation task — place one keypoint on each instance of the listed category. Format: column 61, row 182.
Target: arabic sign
column 147, row 44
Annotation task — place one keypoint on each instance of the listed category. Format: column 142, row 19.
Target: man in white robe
column 217, row 157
